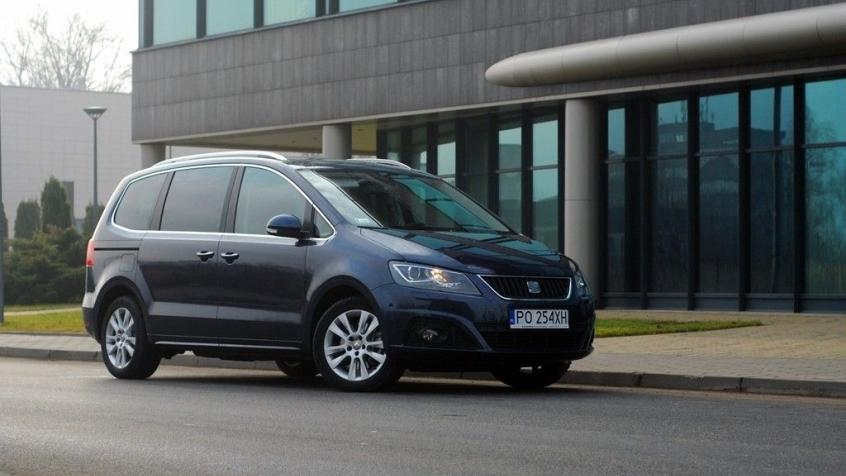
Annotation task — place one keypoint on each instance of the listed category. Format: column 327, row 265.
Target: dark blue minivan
column 353, row 269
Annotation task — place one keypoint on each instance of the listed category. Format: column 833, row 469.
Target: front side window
column 136, row 207
column 264, row 194
column 195, row 200
column 403, row 201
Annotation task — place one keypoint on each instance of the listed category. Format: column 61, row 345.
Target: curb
column 763, row 386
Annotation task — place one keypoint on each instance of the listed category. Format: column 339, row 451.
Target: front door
column 262, row 277
column 179, row 259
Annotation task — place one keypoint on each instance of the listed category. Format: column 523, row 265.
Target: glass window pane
column 718, row 218
column 771, row 227
column 446, row 149
column 417, row 159
column 671, row 128
column 476, row 140
column 477, row 187
column 545, row 207
column 510, row 188
column 826, row 221
column 345, row 5
column 228, row 15
column 616, row 133
column 772, row 117
column 264, row 195
column 545, row 141
column 510, row 145
column 718, row 122
column 393, row 145
column 281, row 11
column 668, row 266
column 825, row 102
column 174, row 20
column 139, row 200
column 623, row 227
column 195, row 200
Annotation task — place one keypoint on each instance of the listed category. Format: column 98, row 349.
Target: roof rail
column 215, row 155
column 376, row 160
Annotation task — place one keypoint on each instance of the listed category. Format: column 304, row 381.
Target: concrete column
column 151, row 154
column 581, row 185
column 337, row 141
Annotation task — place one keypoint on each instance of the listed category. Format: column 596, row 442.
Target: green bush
column 28, row 219
column 46, row 269
column 55, row 209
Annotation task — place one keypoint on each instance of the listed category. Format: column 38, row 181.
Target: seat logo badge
column 534, row 287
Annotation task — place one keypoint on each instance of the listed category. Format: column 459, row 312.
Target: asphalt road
column 72, row 418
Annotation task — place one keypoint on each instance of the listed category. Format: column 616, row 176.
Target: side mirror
column 285, row 225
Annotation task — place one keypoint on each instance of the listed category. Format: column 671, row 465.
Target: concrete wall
column 411, row 57
column 45, row 132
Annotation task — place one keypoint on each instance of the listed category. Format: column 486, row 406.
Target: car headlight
column 428, row 277
column 581, row 283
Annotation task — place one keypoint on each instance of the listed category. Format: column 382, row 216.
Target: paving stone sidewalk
column 809, row 348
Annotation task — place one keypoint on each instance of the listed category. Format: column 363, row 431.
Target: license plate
column 538, row 319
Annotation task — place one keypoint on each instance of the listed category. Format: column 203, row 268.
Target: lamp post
column 95, row 112
column 2, row 281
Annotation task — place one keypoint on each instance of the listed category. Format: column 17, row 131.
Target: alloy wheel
column 353, row 346
column 120, row 338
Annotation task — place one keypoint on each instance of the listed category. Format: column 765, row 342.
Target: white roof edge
column 224, row 154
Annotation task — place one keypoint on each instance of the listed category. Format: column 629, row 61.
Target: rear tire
column 349, row 351
column 297, row 369
column 532, row 378
column 123, row 341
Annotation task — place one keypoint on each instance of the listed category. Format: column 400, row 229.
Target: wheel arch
column 113, row 289
column 326, row 295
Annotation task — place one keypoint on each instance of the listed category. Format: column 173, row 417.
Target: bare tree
column 80, row 56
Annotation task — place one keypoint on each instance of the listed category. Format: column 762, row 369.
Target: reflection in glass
column 476, row 161
column 771, row 226
column 718, row 217
column 826, row 221
column 671, row 130
column 545, row 206
column 228, row 15
column 417, row 159
column 393, row 145
column 510, row 146
column 669, row 255
column 446, row 149
column 174, row 20
column 718, row 122
column 281, row 11
column 825, row 103
column 771, row 117
column 616, row 133
column 623, row 227
column 510, row 188
column 345, row 5
column 545, row 141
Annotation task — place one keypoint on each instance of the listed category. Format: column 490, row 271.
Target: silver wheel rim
column 353, row 346
column 120, row 338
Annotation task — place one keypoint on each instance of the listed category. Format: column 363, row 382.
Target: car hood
column 478, row 253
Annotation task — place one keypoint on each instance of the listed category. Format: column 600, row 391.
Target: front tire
column 349, row 351
column 532, row 378
column 123, row 341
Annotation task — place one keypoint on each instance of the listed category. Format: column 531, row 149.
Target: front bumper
column 482, row 339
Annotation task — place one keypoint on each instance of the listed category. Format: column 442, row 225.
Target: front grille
column 514, row 287
column 534, row 340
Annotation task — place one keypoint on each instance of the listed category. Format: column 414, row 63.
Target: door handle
column 230, row 256
column 204, row 255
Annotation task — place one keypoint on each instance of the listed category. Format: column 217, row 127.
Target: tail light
column 89, row 254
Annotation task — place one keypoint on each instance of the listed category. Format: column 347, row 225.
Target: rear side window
column 136, row 207
column 195, row 200
column 264, row 195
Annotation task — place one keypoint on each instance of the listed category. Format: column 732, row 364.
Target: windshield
column 383, row 199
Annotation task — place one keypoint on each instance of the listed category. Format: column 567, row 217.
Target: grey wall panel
column 412, row 57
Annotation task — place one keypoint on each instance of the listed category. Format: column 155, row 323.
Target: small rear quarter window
column 135, row 210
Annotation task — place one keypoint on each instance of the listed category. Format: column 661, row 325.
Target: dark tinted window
column 136, row 207
column 264, row 194
column 195, row 200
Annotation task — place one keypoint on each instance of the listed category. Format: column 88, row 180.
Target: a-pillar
column 337, row 141
column 151, row 154
column 581, row 186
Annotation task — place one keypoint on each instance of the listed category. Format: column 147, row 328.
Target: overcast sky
column 120, row 16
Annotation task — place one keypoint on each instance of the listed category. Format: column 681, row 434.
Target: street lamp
column 95, row 112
